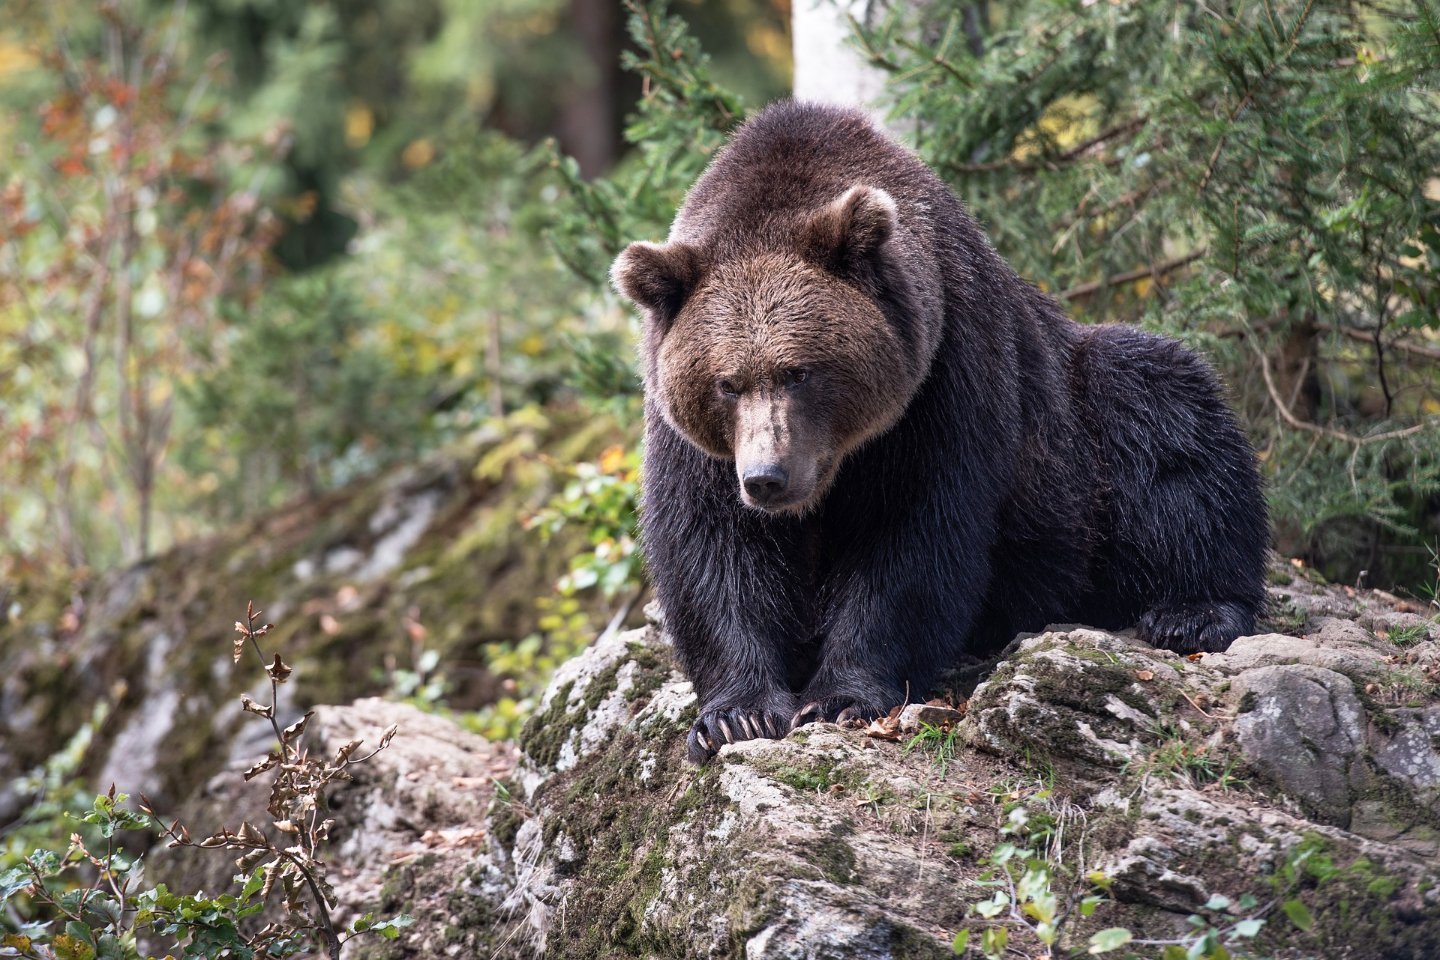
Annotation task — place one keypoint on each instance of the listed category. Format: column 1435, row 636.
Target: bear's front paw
column 1197, row 627
column 843, row 708
column 721, row 725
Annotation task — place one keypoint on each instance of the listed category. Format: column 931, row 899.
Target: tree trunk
column 830, row 68
column 588, row 129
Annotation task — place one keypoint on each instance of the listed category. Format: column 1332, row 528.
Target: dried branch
column 1153, row 271
column 1287, row 415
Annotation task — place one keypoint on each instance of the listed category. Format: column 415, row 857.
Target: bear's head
column 780, row 355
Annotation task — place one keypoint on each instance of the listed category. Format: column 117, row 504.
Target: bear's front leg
column 760, row 714
column 737, row 666
column 727, row 579
column 899, row 605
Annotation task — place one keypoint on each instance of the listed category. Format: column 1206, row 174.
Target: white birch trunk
column 829, row 68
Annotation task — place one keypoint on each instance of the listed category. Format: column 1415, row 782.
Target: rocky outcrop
column 1298, row 770
column 1290, row 783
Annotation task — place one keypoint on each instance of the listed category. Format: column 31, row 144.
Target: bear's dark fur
column 871, row 447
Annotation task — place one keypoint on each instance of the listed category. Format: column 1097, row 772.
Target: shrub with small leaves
column 84, row 904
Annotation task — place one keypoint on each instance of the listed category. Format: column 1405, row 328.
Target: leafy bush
column 89, row 903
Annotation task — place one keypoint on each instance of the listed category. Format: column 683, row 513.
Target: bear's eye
column 796, row 376
column 728, row 389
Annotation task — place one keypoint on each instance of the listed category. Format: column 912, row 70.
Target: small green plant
column 602, row 499
column 1035, row 893
column 1430, row 589
column 1038, row 898
column 938, row 741
column 1178, row 755
column 58, row 797
column 1411, row 635
column 87, row 904
column 421, row 684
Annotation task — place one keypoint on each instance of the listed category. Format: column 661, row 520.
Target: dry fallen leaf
column 885, row 728
column 1144, row 674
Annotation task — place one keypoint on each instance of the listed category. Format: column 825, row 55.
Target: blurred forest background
column 253, row 251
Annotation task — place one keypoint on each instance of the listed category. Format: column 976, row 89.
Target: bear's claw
column 839, row 710
column 717, row 727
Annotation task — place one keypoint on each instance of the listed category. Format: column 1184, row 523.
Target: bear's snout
column 766, row 483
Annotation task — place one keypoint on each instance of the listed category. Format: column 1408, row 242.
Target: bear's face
column 782, row 368
column 774, row 360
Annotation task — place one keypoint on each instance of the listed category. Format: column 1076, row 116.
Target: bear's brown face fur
column 773, row 360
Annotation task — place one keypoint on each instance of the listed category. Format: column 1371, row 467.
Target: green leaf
column 110, row 948
column 390, row 929
column 962, row 940
column 1100, row 879
column 14, row 880
column 1299, row 914
column 46, row 862
column 1217, row 902
column 69, row 947
column 1111, row 938
column 989, row 909
column 1249, row 928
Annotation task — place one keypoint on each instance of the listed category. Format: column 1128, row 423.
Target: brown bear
column 871, row 448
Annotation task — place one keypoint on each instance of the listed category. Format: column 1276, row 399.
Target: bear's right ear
column 850, row 230
column 658, row 277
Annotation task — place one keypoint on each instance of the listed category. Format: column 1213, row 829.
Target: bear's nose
column 765, row 482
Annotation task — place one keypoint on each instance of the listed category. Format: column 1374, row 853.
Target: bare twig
column 1155, row 270
column 1289, row 417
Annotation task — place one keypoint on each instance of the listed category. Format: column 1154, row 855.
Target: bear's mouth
column 789, row 504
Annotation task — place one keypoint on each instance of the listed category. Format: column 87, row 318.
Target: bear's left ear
column 850, row 230
column 658, row 277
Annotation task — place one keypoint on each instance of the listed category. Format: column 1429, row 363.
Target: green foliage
column 937, row 741
column 1035, row 894
column 1257, row 179
column 128, row 226
column 302, row 399
column 1180, row 755
column 602, row 499
column 58, row 796
column 680, row 122
column 85, row 900
column 1038, row 897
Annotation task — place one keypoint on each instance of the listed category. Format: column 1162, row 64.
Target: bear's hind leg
column 1205, row 626
column 1186, row 535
